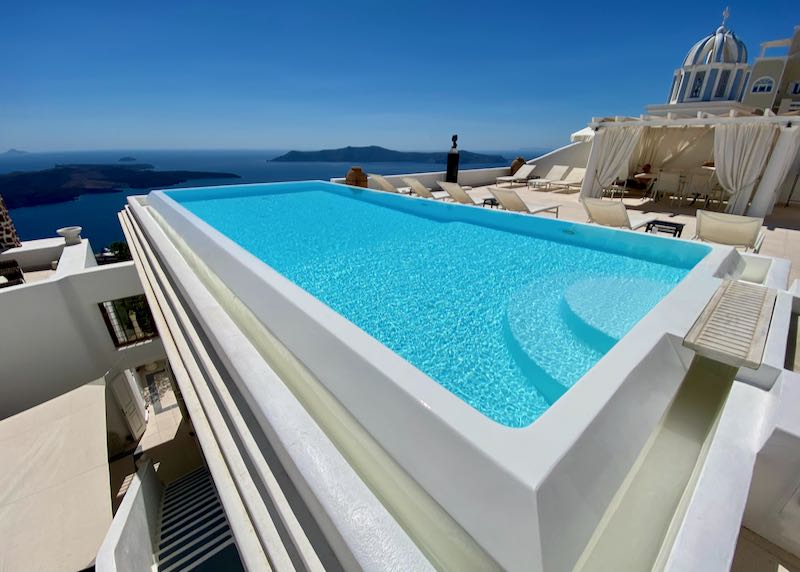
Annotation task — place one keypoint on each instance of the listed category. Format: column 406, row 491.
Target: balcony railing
column 128, row 320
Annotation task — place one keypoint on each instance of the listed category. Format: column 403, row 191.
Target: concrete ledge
column 358, row 527
column 35, row 254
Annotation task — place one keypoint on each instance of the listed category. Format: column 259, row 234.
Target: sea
column 96, row 213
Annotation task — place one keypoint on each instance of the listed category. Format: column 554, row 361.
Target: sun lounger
column 421, row 190
column 511, row 201
column 613, row 213
column 10, row 274
column 731, row 230
column 386, row 185
column 555, row 174
column 457, row 193
column 667, row 184
column 572, row 182
column 522, row 175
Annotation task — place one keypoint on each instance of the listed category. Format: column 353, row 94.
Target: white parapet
column 131, row 541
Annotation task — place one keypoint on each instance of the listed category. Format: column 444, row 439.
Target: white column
column 587, row 187
column 780, row 161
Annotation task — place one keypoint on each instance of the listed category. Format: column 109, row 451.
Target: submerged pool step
column 634, row 530
column 555, row 336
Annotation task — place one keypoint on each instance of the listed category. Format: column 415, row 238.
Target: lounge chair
column 10, row 274
column 572, row 182
column 457, row 193
column 613, row 213
column 511, row 201
column 421, row 190
column 555, row 174
column 522, row 175
column 386, row 185
column 668, row 184
column 698, row 185
column 731, row 230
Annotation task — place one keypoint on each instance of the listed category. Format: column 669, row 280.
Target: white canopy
column 585, row 134
column 747, row 151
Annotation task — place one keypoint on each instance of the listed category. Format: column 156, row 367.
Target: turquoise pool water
column 506, row 312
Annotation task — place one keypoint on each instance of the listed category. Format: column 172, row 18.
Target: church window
column 763, row 85
column 722, row 84
column 697, row 86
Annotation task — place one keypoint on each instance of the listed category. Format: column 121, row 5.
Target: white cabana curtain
column 612, row 148
column 740, row 153
column 660, row 146
column 781, row 160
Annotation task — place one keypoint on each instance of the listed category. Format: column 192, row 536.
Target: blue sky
column 273, row 75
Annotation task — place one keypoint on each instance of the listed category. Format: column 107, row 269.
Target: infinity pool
column 506, row 312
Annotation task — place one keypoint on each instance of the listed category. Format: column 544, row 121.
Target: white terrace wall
column 53, row 335
column 573, row 155
column 131, row 541
column 35, row 254
column 471, row 177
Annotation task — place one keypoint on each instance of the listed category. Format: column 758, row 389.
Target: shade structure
column 585, row 134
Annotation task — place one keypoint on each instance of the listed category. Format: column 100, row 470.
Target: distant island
column 375, row 154
column 67, row 182
column 15, row 152
column 127, row 159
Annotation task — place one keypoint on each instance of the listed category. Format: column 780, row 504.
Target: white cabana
column 746, row 151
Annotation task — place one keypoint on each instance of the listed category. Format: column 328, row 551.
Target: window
column 796, row 88
column 128, row 320
column 722, row 85
column 697, row 86
column 763, row 85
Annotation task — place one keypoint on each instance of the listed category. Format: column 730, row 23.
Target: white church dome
column 720, row 47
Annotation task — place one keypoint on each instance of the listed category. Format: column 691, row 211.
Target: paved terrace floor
column 782, row 227
column 54, row 503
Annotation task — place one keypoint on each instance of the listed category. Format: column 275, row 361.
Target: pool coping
column 459, row 441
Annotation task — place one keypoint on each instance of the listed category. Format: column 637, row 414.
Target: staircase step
column 195, row 534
